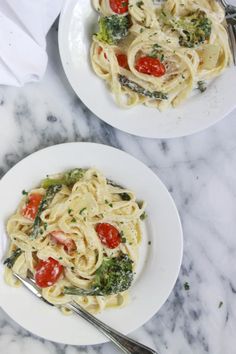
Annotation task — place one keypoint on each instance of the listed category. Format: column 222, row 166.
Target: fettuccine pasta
column 78, row 235
column 158, row 53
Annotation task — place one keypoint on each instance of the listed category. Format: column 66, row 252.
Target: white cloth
column 23, row 28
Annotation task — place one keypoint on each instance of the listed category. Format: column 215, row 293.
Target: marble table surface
column 199, row 171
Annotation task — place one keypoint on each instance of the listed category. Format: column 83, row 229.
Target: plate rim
column 180, row 231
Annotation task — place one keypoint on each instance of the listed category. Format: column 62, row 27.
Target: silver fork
column 127, row 345
column 230, row 14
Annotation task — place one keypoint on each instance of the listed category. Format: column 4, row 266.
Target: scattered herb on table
column 201, row 86
column 186, row 286
column 125, row 196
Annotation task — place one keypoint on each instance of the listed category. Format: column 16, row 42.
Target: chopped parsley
column 143, row 216
column 139, row 3
column 82, row 210
column 186, row 286
column 201, row 86
column 125, row 196
column 220, row 304
column 157, row 52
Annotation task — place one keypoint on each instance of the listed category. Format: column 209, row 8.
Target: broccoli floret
column 112, row 277
column 113, row 28
column 68, row 179
column 196, row 30
column 193, row 30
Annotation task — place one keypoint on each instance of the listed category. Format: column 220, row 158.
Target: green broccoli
column 69, row 178
column 51, row 191
column 112, row 277
column 113, row 28
column 193, row 30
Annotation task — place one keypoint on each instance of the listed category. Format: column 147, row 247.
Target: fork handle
column 127, row 345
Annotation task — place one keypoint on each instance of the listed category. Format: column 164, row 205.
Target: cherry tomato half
column 47, row 272
column 150, row 66
column 30, row 209
column 119, row 6
column 122, row 60
column 100, row 50
column 108, row 235
column 60, row 238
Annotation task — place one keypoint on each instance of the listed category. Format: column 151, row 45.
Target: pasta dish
column 158, row 52
column 77, row 234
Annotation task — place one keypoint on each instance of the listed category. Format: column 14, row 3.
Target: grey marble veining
column 199, row 171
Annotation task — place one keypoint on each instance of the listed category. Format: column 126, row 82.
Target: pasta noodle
column 68, row 234
column 169, row 49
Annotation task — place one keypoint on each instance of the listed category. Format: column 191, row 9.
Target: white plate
column 77, row 23
column 159, row 262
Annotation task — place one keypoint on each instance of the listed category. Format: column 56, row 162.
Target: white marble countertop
column 199, row 171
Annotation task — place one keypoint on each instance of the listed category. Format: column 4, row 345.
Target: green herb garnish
column 9, row 262
column 143, row 216
column 139, row 3
column 82, row 210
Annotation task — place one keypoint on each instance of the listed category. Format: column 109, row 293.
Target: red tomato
column 122, row 60
column 150, row 66
column 100, row 50
column 119, row 6
column 47, row 272
column 108, row 235
column 62, row 239
column 30, row 209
